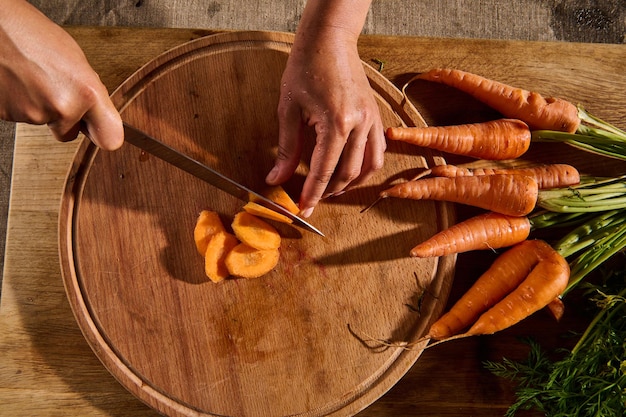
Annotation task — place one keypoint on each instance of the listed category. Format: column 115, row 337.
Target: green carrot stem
column 593, row 257
column 610, row 312
column 593, row 120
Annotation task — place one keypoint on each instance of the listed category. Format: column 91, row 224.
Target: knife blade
column 168, row 154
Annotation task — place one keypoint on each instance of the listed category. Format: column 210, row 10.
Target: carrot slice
column 279, row 196
column 255, row 232
column 207, row 225
column 261, row 211
column 247, row 262
column 220, row 244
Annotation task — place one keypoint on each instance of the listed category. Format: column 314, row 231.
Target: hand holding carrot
column 46, row 79
column 324, row 87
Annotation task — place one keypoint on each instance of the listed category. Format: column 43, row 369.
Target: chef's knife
column 162, row 151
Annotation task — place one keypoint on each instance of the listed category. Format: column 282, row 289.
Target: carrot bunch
column 521, row 281
column 509, row 195
column 530, row 275
column 528, row 117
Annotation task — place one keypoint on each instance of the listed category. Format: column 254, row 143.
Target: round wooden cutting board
column 294, row 342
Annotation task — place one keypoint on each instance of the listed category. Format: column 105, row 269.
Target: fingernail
column 306, row 213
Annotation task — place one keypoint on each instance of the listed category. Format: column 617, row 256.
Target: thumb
column 103, row 125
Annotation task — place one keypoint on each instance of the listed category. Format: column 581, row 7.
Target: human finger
column 326, row 153
column 290, row 144
column 103, row 125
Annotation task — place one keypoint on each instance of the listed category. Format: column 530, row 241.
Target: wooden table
column 46, row 366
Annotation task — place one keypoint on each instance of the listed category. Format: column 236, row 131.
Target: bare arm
column 46, row 79
column 325, row 87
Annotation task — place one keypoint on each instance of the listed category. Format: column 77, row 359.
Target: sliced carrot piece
column 255, row 232
column 207, row 225
column 220, row 244
column 262, row 211
column 247, row 262
column 279, row 196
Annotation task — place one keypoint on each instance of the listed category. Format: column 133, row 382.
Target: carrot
column 528, row 276
column 485, row 231
column 279, row 196
column 556, row 308
column 220, row 244
column 255, row 232
column 247, row 262
column 266, row 213
column 545, row 282
column 538, row 112
column 547, row 176
column 492, row 140
column 513, row 195
column 207, row 224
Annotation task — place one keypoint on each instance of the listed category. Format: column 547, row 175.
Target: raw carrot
column 207, row 224
column 220, row 244
column 509, row 274
column 513, row 195
column 547, row 176
column 538, row 112
column 255, row 232
column 544, row 283
column 247, row 262
column 485, row 231
column 556, row 308
column 492, row 140
column 279, row 196
column 262, row 211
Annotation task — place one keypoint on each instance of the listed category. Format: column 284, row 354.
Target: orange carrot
column 528, row 276
column 220, row 244
column 556, row 308
column 513, row 195
column 255, row 232
column 247, row 262
column 279, row 196
column 547, row 176
column 261, row 211
column 538, row 112
column 492, row 140
column 207, row 224
column 485, row 231
column 545, row 282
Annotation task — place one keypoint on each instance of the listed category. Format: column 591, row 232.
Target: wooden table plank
column 46, row 367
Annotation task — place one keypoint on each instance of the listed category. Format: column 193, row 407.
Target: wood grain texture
column 47, row 367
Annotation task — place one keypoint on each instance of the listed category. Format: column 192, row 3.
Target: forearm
column 329, row 22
